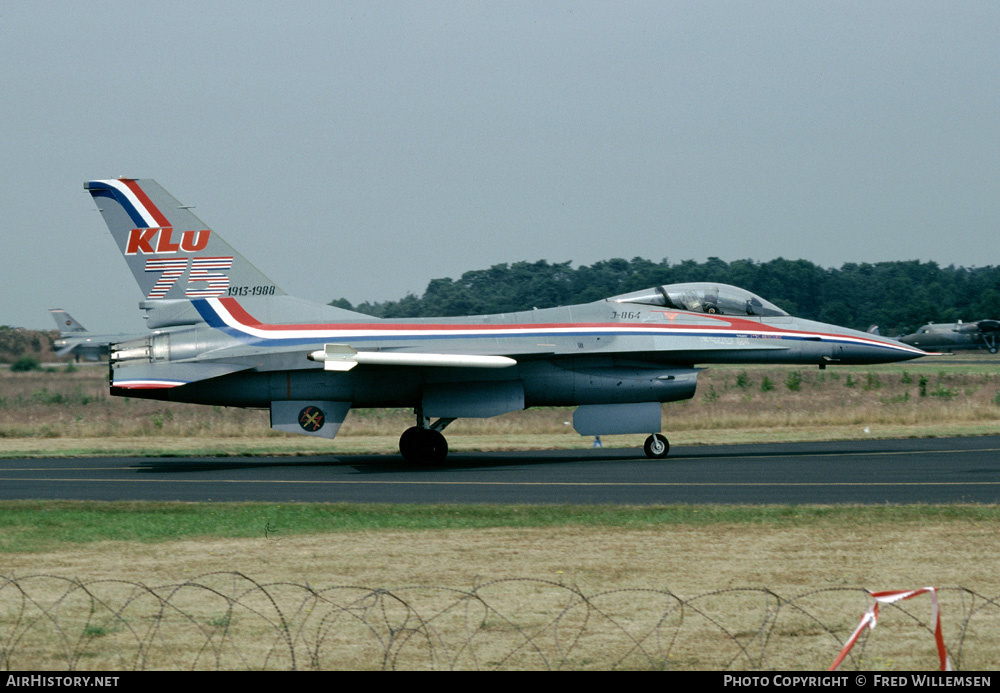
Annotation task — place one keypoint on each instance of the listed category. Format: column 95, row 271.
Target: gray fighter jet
column 225, row 334
column 955, row 336
column 77, row 340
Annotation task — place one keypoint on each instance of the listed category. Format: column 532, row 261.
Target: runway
column 943, row 470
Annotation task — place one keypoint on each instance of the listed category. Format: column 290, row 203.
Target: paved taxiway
column 944, row 470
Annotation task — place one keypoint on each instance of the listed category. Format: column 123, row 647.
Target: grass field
column 191, row 586
column 71, row 413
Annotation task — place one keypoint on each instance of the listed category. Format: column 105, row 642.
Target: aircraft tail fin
column 65, row 322
column 172, row 253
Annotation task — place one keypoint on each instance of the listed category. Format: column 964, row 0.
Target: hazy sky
column 360, row 149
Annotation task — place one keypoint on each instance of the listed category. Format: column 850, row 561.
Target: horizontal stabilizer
column 342, row 357
column 154, row 376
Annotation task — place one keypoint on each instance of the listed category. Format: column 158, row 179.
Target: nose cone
column 835, row 344
column 862, row 348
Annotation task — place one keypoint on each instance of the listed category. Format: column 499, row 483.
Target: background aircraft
column 981, row 334
column 226, row 335
column 75, row 339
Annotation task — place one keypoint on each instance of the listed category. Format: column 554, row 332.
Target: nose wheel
column 656, row 447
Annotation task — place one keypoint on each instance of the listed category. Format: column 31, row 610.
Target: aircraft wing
column 145, row 375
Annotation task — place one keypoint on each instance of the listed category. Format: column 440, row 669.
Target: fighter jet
column 75, row 339
column 225, row 334
column 954, row 336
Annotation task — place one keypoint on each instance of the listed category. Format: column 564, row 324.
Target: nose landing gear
column 656, row 447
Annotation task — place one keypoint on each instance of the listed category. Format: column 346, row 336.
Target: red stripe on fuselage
column 728, row 323
column 237, row 312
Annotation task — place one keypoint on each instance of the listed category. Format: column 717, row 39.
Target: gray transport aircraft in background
column 224, row 334
column 77, row 340
column 956, row 336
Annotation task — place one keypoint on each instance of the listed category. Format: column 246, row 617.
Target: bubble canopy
column 703, row 297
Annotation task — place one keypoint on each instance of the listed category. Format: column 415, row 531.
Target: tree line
column 898, row 296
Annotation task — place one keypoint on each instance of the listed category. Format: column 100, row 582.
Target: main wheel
column 408, row 442
column 423, row 446
column 656, row 446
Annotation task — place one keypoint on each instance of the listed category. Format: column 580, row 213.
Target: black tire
column 423, row 446
column 433, row 447
column 409, row 442
column 656, row 447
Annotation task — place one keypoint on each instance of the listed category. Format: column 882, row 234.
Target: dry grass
column 686, row 559
column 633, row 579
column 72, row 413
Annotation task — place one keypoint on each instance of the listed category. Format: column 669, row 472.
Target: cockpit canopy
column 703, row 297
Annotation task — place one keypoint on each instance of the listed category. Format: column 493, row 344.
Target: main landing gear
column 656, row 447
column 424, row 443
